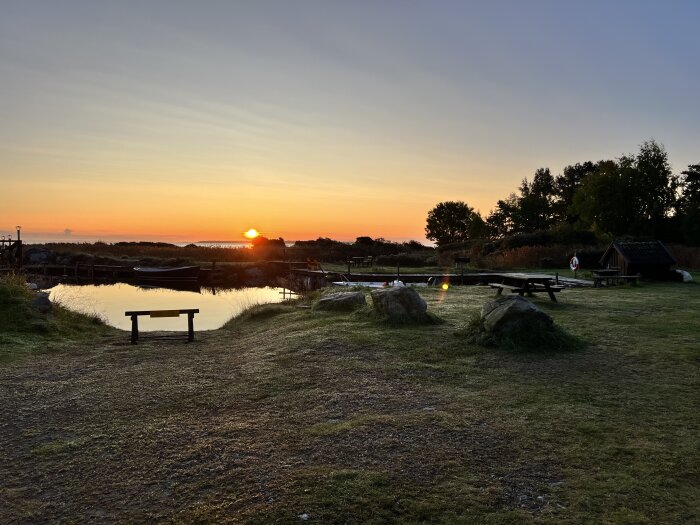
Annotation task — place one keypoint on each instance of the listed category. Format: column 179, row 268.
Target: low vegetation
column 289, row 413
column 24, row 330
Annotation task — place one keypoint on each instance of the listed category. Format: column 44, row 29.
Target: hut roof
column 653, row 252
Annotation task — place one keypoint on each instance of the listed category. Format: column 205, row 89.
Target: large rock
column 400, row 304
column 42, row 304
column 342, row 301
column 511, row 315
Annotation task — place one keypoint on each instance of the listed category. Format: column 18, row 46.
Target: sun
column 252, row 233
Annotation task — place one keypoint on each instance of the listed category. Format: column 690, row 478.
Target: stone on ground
column 342, row 301
column 512, row 315
column 42, row 304
column 400, row 305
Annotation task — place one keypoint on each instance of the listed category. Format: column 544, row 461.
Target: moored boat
column 183, row 273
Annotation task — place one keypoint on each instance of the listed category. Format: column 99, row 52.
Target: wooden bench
column 551, row 290
column 161, row 313
column 500, row 287
column 614, row 279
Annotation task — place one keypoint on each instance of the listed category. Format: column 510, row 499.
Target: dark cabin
column 650, row 259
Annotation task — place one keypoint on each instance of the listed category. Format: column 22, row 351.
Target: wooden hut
column 649, row 259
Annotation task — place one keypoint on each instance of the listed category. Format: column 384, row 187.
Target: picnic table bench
column 360, row 261
column 614, row 279
column 161, row 313
column 527, row 284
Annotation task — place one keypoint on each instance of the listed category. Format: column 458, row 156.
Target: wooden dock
column 318, row 278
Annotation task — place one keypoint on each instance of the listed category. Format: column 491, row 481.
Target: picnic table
column 529, row 284
column 360, row 261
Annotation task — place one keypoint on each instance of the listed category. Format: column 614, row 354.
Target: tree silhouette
column 453, row 221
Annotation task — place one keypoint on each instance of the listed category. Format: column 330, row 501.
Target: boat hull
column 164, row 275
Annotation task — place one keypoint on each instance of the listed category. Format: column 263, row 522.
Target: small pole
column 556, row 278
column 398, row 271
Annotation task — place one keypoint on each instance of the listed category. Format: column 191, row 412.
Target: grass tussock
column 25, row 330
column 552, row 339
column 261, row 312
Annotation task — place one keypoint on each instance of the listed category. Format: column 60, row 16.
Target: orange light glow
column 251, row 234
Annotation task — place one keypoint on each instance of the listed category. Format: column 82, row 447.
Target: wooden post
column 190, row 327
column 134, row 329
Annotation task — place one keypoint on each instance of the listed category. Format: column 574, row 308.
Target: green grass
column 26, row 331
column 288, row 410
column 608, row 433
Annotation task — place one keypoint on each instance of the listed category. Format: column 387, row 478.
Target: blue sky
column 362, row 114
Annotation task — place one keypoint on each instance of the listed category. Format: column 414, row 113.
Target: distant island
column 222, row 242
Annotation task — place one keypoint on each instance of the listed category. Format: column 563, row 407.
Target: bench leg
column 499, row 291
column 134, row 329
column 552, row 296
column 190, row 327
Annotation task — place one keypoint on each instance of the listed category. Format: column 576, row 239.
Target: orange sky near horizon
column 197, row 121
column 147, row 207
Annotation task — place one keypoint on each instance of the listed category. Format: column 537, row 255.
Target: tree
column 532, row 210
column 501, row 221
column 453, row 221
column 689, row 204
column 566, row 185
column 603, row 201
column 654, row 186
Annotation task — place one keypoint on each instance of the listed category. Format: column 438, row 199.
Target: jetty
column 313, row 279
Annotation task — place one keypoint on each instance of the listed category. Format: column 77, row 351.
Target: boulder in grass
column 342, row 301
column 400, row 305
column 42, row 304
column 513, row 315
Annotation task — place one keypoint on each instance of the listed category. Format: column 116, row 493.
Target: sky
column 181, row 120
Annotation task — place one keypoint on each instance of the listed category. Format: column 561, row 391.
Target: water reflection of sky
column 112, row 300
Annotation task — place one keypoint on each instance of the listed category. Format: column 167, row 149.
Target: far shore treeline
column 548, row 218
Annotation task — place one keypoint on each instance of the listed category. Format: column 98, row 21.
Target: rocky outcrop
column 400, row 305
column 342, row 301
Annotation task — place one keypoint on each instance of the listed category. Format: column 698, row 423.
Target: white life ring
column 573, row 263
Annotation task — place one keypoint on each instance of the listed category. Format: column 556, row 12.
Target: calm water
column 112, row 300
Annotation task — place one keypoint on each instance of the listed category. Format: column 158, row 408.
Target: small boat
column 183, row 273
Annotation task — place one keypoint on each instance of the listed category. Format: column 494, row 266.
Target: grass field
column 288, row 411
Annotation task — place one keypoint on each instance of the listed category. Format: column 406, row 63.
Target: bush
column 404, row 259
